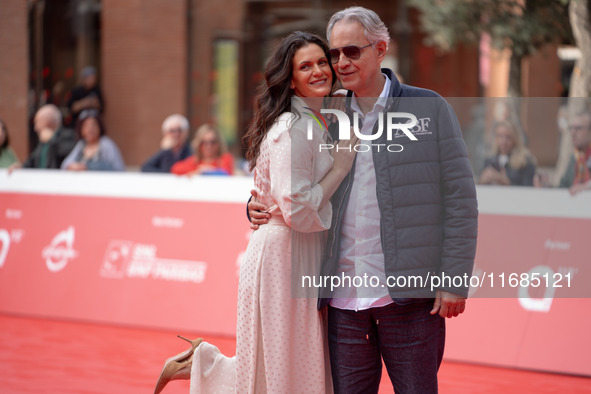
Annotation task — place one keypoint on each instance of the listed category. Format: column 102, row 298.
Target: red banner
column 121, row 260
column 164, row 251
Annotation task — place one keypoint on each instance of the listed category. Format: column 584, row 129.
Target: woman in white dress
column 280, row 339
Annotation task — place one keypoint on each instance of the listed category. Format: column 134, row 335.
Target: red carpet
column 49, row 356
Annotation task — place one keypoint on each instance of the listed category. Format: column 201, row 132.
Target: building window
column 225, row 88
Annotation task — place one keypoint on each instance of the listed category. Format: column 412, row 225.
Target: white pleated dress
column 281, row 341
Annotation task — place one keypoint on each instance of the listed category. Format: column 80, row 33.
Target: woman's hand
column 77, row 167
column 90, row 151
column 575, row 189
column 336, row 101
column 490, row 176
column 257, row 211
column 541, row 180
column 13, row 167
column 344, row 154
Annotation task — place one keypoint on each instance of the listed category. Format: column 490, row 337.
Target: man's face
column 505, row 140
column 89, row 81
column 176, row 134
column 354, row 75
column 580, row 128
column 43, row 121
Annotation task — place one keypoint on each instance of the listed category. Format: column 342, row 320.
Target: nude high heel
column 177, row 367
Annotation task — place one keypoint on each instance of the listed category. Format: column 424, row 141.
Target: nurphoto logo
column 392, row 129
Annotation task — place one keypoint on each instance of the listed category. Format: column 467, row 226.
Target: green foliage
column 509, row 23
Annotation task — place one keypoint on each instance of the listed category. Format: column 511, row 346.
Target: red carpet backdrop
column 158, row 251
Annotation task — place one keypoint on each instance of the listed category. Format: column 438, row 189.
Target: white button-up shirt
column 361, row 254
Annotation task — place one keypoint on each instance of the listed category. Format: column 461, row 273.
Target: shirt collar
column 382, row 99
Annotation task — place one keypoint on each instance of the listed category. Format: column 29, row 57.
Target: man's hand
column 88, row 102
column 256, row 211
column 448, row 304
column 167, row 142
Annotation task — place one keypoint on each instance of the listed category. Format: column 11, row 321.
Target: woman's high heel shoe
column 177, row 367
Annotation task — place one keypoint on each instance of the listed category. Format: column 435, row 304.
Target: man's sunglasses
column 351, row 51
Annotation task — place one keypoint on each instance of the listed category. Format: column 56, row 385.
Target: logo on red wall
column 135, row 260
column 61, row 249
column 5, row 240
column 116, row 259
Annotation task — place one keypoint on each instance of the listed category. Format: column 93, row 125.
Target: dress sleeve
column 293, row 188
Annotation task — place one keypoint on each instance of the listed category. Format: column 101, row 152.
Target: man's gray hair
column 375, row 29
column 175, row 119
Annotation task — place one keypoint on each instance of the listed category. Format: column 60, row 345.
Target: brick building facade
column 200, row 58
column 14, row 65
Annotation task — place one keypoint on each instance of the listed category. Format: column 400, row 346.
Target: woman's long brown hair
column 274, row 95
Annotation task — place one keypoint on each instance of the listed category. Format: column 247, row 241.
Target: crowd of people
column 511, row 164
column 88, row 148
column 79, row 142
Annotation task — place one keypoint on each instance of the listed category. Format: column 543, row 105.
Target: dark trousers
column 407, row 337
